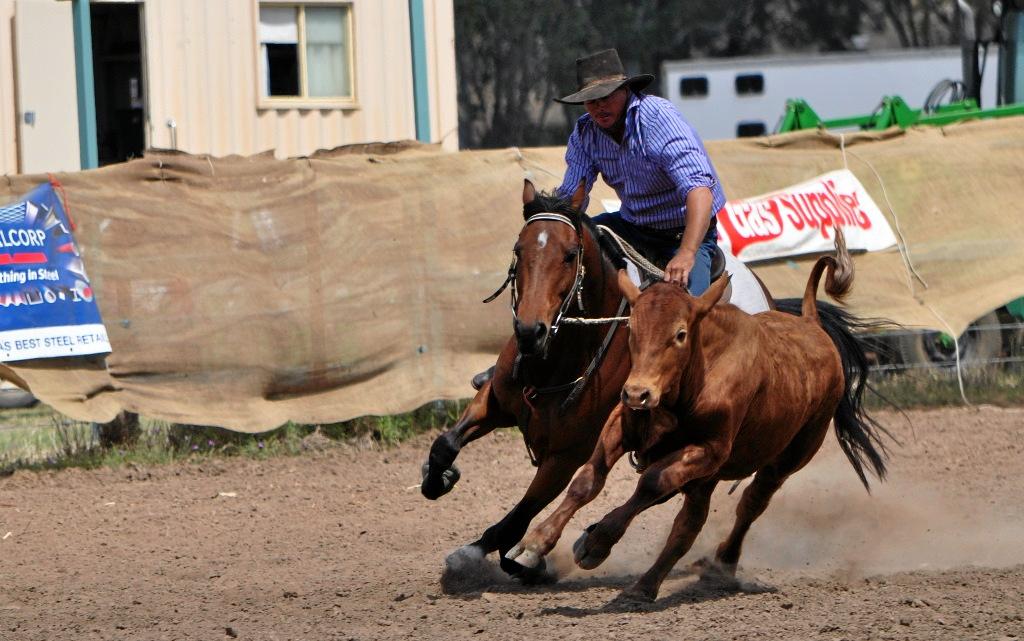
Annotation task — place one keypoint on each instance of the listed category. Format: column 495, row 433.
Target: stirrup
column 481, row 378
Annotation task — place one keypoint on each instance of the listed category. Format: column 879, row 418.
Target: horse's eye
column 570, row 256
column 681, row 336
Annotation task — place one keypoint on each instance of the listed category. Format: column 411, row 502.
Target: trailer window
column 750, row 129
column 749, row 84
column 693, row 87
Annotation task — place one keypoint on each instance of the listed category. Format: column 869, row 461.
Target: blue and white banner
column 46, row 302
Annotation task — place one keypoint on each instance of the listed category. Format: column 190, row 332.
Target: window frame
column 304, row 101
column 751, row 78
column 698, row 79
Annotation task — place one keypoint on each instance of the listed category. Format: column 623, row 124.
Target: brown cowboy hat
column 599, row 74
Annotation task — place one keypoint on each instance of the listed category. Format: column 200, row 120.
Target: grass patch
column 40, row 439
column 920, row 388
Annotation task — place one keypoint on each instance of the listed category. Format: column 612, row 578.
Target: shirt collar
column 633, row 120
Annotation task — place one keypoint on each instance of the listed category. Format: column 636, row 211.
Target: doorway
column 118, row 81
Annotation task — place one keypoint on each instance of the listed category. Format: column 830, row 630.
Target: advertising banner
column 799, row 220
column 46, row 301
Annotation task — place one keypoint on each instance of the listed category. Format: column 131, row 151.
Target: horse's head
column 663, row 328
column 548, row 265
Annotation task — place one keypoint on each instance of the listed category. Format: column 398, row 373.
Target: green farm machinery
column 998, row 336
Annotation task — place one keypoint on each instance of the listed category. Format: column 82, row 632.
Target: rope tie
column 522, row 160
column 64, row 197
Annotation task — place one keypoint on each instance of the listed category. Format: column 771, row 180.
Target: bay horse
column 559, row 391
column 716, row 394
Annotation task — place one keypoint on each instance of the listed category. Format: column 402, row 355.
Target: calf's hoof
column 435, row 485
column 588, row 552
column 638, row 594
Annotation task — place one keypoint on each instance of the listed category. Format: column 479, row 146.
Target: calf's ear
column 629, row 290
column 710, row 298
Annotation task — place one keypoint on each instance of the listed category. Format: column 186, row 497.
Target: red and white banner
column 799, row 220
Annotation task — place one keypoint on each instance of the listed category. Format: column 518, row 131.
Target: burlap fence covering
column 245, row 292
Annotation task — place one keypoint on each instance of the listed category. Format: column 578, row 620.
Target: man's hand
column 698, row 217
column 678, row 269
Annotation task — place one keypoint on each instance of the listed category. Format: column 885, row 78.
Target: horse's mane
column 556, row 203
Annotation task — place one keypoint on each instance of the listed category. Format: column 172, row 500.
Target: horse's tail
column 839, row 281
column 860, row 436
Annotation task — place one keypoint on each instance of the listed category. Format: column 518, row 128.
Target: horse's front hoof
column 587, row 553
column 524, row 556
column 468, row 570
column 535, row 574
column 434, row 485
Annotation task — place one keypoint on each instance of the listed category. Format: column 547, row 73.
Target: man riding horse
column 654, row 160
column 656, row 163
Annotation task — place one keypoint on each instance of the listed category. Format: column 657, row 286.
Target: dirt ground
column 340, row 545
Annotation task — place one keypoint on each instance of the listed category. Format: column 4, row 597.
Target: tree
column 919, row 23
column 515, row 56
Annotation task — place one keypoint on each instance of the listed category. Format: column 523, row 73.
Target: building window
column 750, row 129
column 693, row 87
column 305, row 51
column 749, row 84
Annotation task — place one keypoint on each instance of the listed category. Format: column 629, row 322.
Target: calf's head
column 663, row 331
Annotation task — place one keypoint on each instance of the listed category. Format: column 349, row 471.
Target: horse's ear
column 708, row 299
column 580, row 195
column 629, row 290
column 529, row 191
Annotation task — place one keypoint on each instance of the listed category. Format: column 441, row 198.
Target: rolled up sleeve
column 683, row 158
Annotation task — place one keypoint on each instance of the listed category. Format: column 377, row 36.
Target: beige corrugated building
column 221, row 77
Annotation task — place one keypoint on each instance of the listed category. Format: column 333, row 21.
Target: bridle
column 575, row 292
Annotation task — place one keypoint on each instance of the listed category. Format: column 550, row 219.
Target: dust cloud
column 823, row 523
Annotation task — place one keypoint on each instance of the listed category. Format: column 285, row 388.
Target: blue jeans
column 664, row 244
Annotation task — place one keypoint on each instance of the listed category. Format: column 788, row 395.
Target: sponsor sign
column 799, row 220
column 47, row 307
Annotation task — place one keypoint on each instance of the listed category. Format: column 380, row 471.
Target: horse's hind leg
column 481, row 416
column 685, row 528
column 552, row 476
column 759, row 493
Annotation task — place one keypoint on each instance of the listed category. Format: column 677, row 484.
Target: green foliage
column 39, row 438
column 1003, row 386
column 391, row 430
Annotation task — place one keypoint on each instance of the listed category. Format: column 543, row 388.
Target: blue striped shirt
column 660, row 160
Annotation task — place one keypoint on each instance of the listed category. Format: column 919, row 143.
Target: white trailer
column 746, row 96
